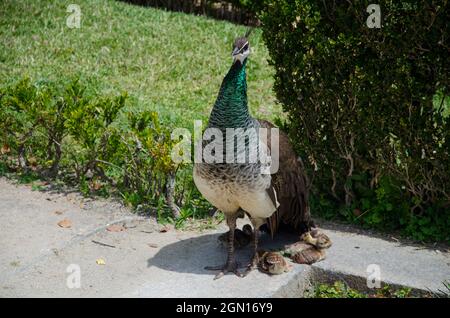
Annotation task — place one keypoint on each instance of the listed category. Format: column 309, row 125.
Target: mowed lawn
column 169, row 62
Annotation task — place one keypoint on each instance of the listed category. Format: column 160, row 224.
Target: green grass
column 340, row 290
column 170, row 62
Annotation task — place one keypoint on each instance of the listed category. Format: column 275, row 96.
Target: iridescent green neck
column 230, row 109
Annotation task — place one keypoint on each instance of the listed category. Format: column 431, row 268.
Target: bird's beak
column 235, row 52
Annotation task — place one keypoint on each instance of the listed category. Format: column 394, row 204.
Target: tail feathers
column 294, row 212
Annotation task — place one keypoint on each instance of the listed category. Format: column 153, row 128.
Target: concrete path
column 37, row 257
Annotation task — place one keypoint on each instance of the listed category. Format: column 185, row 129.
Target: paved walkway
column 36, row 255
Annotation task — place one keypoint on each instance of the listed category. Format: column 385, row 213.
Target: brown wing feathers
column 291, row 186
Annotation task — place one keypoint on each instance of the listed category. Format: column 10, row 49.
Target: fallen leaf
column 5, row 149
column 96, row 185
column 32, row 161
column 100, row 261
column 165, row 229
column 58, row 212
column 153, row 245
column 115, row 228
column 66, row 223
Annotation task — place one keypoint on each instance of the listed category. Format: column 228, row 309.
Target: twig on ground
column 103, row 244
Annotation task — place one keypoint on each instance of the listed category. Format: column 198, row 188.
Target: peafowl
column 238, row 188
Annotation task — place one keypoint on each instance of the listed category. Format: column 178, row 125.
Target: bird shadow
column 193, row 254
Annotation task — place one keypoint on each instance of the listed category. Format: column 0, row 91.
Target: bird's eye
column 245, row 47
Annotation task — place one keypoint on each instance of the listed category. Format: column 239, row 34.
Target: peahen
column 234, row 188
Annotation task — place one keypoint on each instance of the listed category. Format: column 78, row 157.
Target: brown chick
column 241, row 237
column 318, row 239
column 272, row 263
column 310, row 249
column 308, row 255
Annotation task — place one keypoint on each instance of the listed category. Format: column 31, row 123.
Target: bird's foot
column 252, row 265
column 224, row 269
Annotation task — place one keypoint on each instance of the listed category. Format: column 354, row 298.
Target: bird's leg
column 255, row 259
column 230, row 265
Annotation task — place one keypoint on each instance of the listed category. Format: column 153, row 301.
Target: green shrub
column 340, row 289
column 150, row 172
column 337, row 290
column 361, row 111
column 62, row 131
column 90, row 126
column 33, row 122
column 19, row 111
column 51, row 119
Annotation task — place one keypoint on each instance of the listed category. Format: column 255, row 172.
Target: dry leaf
column 32, row 161
column 153, row 245
column 66, row 223
column 115, row 228
column 100, row 261
column 58, row 212
column 96, row 185
column 5, row 149
column 165, row 229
